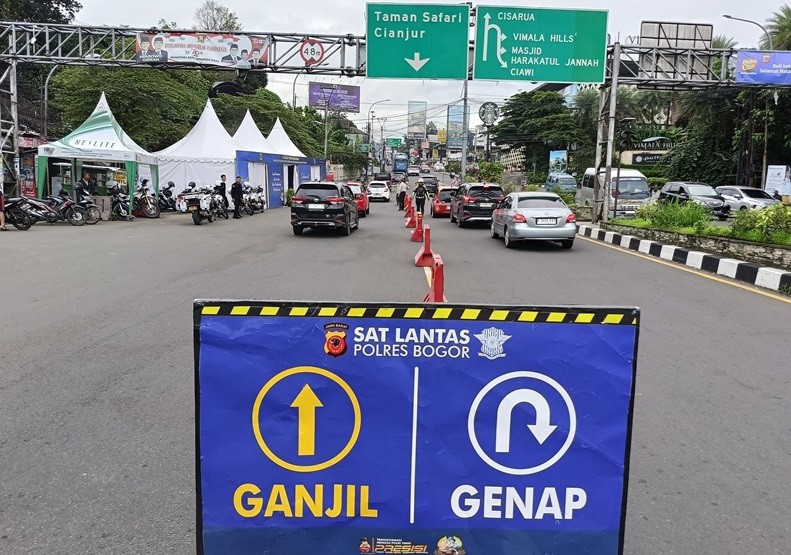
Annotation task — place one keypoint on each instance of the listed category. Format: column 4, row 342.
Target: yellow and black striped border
column 538, row 315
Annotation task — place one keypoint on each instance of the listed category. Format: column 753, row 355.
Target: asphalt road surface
column 96, row 382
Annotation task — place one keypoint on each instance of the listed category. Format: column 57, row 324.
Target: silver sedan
column 534, row 216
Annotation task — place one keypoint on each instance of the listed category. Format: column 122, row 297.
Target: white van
column 632, row 187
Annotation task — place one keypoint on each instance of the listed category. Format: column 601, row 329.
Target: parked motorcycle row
column 207, row 203
column 204, row 203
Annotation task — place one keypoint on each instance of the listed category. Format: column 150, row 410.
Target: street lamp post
column 46, row 98
column 370, row 124
column 766, row 106
column 382, row 138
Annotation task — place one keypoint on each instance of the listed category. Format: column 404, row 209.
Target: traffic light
column 626, row 139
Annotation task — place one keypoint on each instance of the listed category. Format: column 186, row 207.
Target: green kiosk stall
column 99, row 138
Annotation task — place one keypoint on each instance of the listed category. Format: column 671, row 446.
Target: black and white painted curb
column 761, row 276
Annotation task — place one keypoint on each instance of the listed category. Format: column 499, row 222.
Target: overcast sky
column 348, row 16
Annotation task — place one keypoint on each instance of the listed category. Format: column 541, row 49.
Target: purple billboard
column 344, row 98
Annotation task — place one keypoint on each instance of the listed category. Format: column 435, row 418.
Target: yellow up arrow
column 306, row 403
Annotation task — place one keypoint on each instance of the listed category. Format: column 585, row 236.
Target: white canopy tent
column 207, row 152
column 280, row 142
column 248, row 137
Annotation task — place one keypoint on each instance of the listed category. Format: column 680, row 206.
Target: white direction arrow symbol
column 416, row 62
column 542, row 429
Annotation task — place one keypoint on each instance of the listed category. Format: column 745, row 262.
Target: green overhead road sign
column 417, row 41
column 537, row 44
column 394, row 142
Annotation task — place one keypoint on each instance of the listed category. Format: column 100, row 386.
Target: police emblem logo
column 335, row 344
column 492, row 340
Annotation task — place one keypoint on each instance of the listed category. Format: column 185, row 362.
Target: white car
column 439, row 167
column 746, row 198
column 378, row 190
column 412, row 171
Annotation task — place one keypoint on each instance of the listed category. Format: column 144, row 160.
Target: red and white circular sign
column 312, row 51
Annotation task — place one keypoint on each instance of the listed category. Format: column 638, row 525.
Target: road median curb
column 753, row 274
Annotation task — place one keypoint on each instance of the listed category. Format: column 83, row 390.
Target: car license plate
column 546, row 221
column 629, row 208
column 486, row 205
column 192, row 208
column 315, row 207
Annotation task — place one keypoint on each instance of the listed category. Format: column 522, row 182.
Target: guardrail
column 426, row 258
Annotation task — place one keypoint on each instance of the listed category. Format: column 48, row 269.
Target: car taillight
column 297, row 200
column 465, row 198
column 500, row 199
column 335, row 200
column 519, row 218
column 571, row 219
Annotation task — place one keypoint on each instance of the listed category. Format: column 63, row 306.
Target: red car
column 363, row 204
column 440, row 204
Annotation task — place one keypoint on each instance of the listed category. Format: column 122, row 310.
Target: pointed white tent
column 281, row 143
column 100, row 137
column 248, row 137
column 207, row 152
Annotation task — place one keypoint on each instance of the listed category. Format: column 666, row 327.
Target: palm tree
column 779, row 28
column 723, row 42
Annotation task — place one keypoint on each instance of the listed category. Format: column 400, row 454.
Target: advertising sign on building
column 342, row 98
column 456, row 126
column 416, row 125
column 778, row 178
column 432, row 429
column 217, row 49
column 646, row 158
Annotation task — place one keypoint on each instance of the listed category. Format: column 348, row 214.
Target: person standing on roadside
column 420, row 195
column 223, row 191
column 402, row 191
column 237, row 191
column 2, row 210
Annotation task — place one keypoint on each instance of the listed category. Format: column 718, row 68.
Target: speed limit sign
column 312, row 51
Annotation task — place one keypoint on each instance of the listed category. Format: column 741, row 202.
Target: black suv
column 324, row 205
column 431, row 183
column 475, row 202
column 705, row 195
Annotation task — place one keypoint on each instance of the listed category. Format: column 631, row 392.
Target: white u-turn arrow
column 541, row 430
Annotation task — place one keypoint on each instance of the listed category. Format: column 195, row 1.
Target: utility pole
column 382, row 138
column 466, row 135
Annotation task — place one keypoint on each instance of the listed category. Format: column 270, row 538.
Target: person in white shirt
column 403, row 189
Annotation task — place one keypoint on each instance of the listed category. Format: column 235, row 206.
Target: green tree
column 52, row 11
column 213, row 16
column 537, row 122
column 491, row 172
column 779, row 28
column 155, row 107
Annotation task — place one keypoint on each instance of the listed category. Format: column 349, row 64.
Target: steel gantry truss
column 72, row 45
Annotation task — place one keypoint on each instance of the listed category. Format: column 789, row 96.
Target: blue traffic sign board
column 412, row 429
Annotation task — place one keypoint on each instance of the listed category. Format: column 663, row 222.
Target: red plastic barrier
column 410, row 208
column 424, row 257
column 436, row 293
column 417, row 235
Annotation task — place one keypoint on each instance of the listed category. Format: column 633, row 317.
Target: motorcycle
column 145, row 202
column 92, row 212
column 204, row 205
column 119, row 208
column 257, row 199
column 16, row 214
column 166, row 200
column 60, row 208
column 181, row 199
column 222, row 210
column 247, row 199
